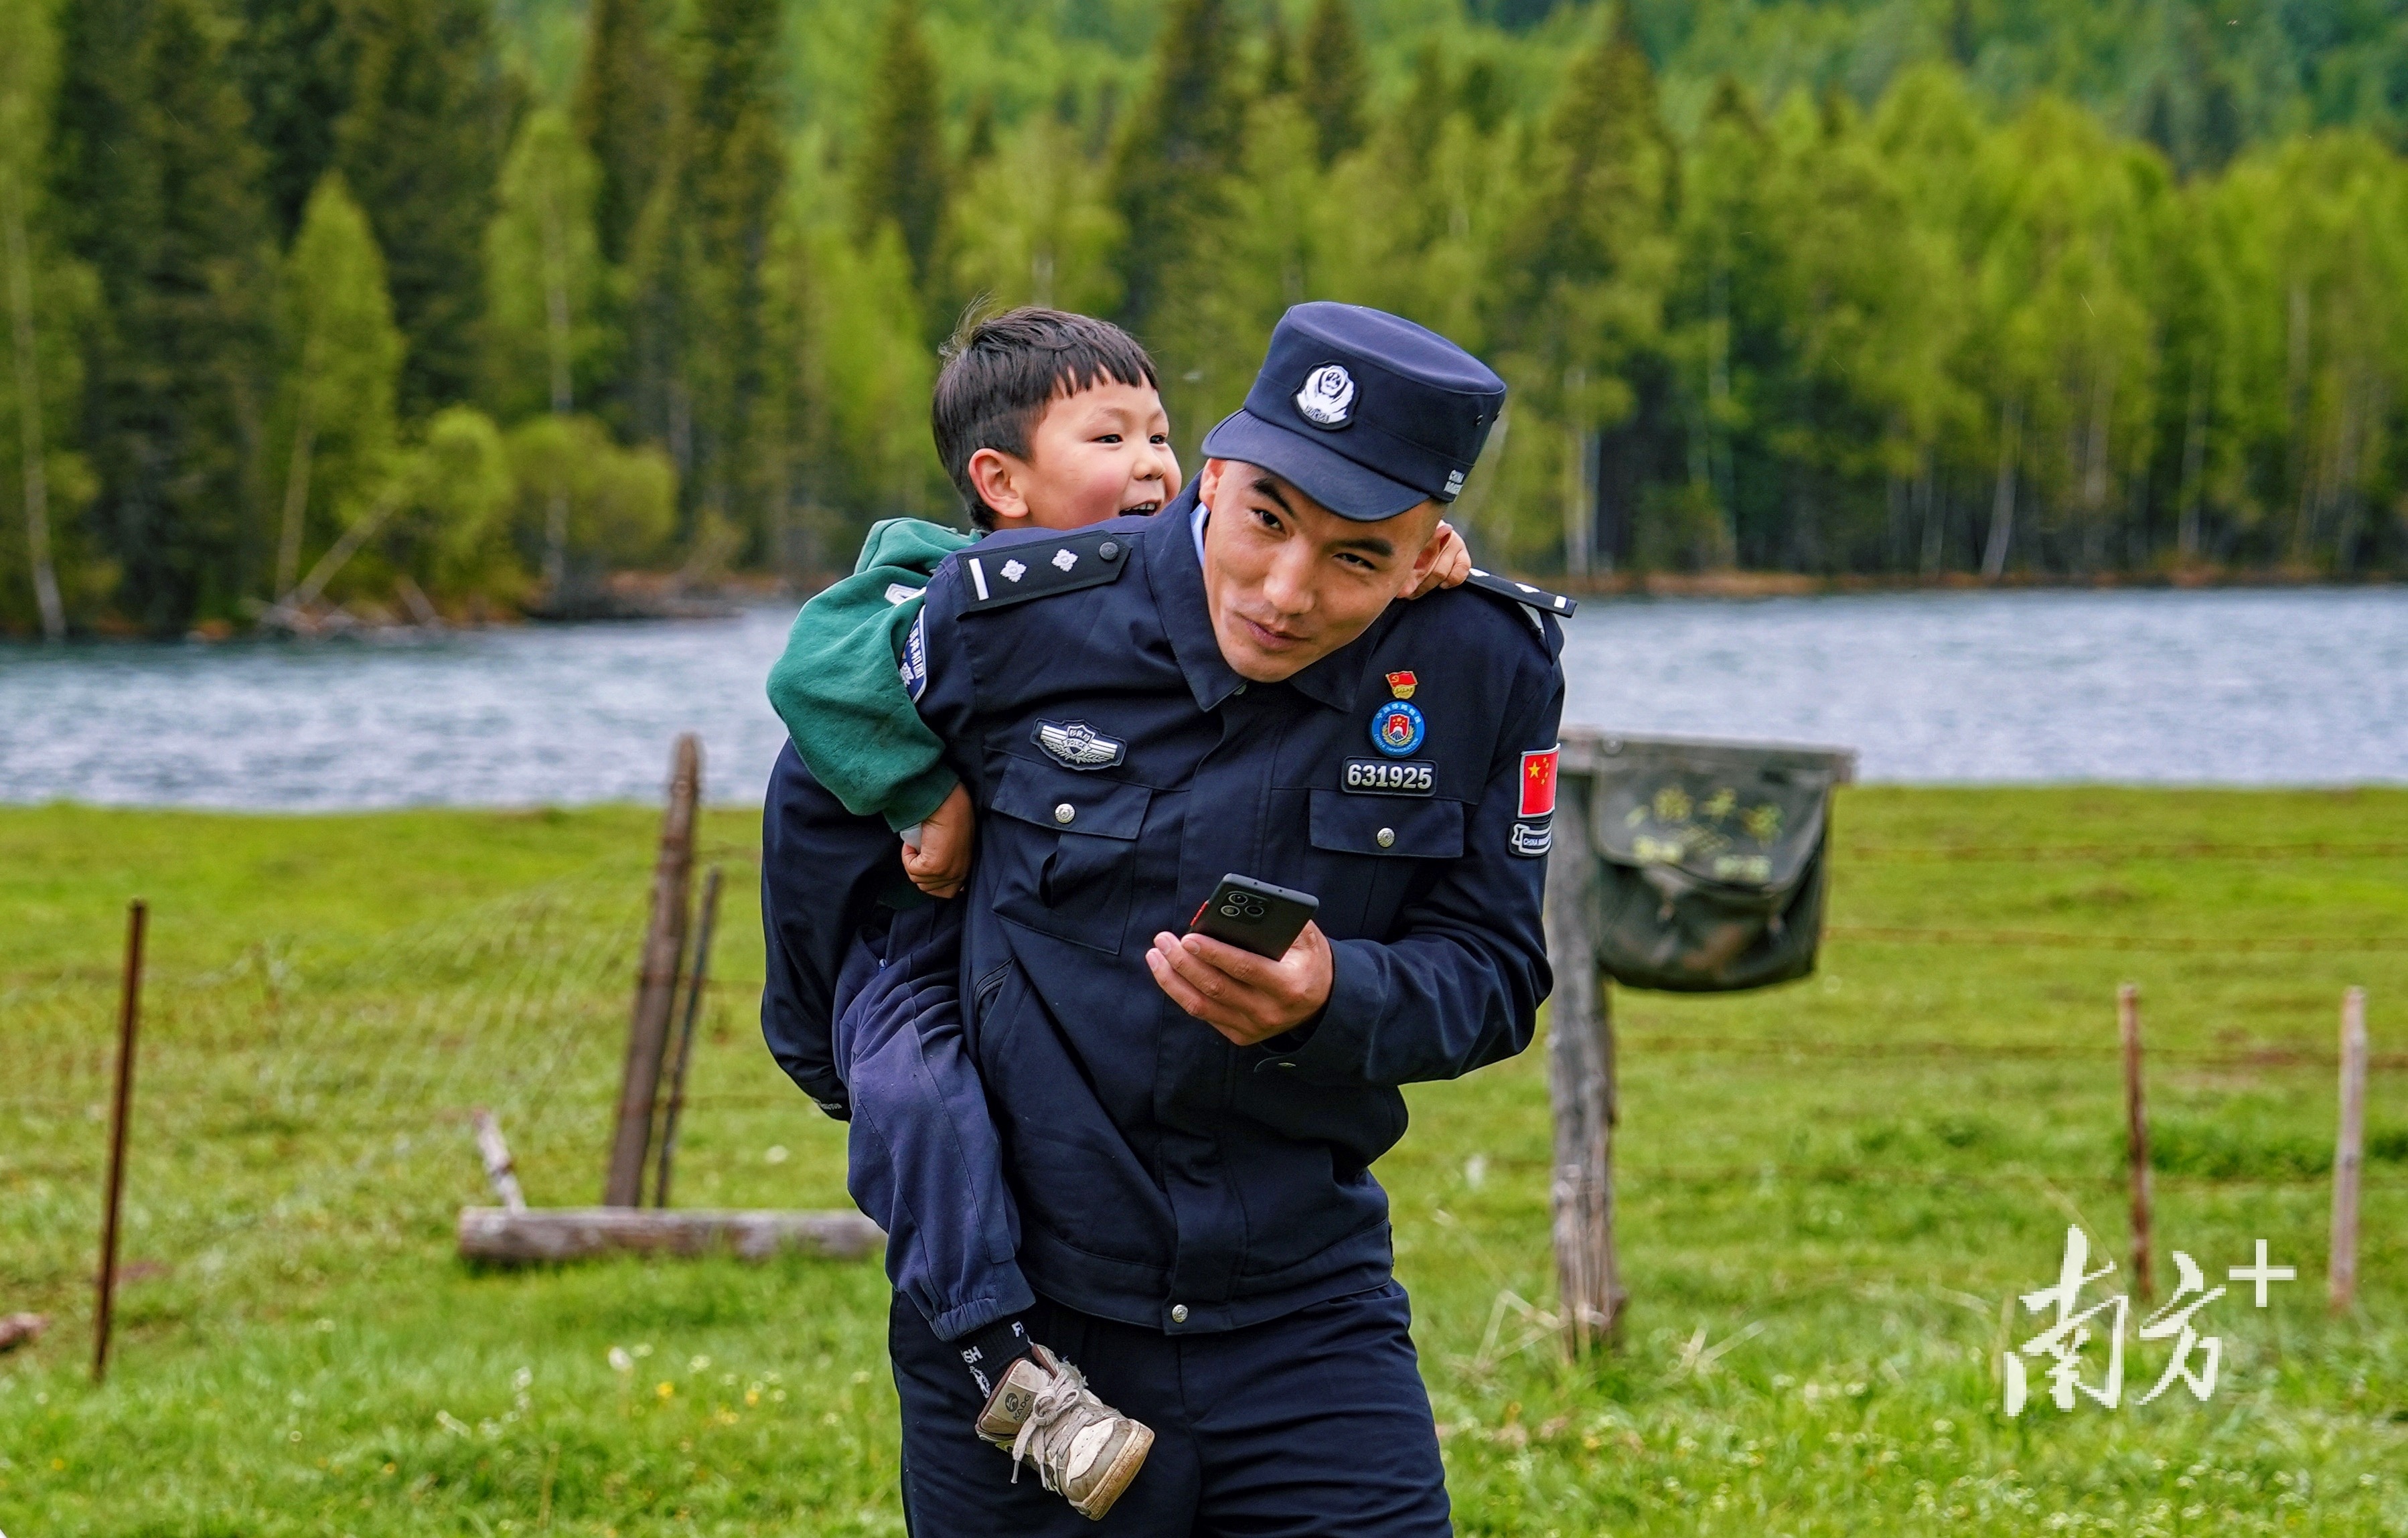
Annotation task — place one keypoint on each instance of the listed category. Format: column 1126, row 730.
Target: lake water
column 2304, row 686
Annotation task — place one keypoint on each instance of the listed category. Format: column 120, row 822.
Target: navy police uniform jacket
column 1165, row 1176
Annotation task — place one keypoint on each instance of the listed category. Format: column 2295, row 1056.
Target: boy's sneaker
column 1084, row 1449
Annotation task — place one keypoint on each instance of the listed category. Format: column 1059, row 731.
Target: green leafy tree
column 155, row 184
column 450, row 528
column 544, row 326
column 1581, row 266
column 626, row 100
column 853, row 423
column 1279, row 53
column 420, row 146
column 544, row 277
column 703, row 298
column 295, row 60
column 1035, row 226
column 900, row 176
column 46, row 299
column 335, row 429
column 1170, row 171
column 2316, row 255
column 2063, row 333
column 624, row 112
column 616, row 507
column 1335, row 78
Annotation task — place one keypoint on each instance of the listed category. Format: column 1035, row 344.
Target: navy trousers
column 923, row 1160
column 1312, row 1424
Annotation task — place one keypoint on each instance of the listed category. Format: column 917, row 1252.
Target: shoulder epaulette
column 1037, row 569
column 1537, row 597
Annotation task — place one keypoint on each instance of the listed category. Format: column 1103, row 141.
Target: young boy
column 1043, row 419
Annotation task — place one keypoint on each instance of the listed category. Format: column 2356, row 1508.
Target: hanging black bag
column 1711, row 860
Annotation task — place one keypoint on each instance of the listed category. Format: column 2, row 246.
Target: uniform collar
column 1177, row 570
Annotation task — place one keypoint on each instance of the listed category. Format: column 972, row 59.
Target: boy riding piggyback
column 1044, row 421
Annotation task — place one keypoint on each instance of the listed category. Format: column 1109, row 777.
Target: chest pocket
column 1070, row 871
column 1392, row 825
column 1382, row 843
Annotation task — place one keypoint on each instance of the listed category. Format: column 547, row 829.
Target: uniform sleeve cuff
column 1338, row 1044
column 916, row 799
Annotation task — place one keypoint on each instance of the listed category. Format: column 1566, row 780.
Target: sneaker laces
column 1052, row 1413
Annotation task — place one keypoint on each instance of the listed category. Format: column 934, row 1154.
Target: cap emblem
column 1327, row 399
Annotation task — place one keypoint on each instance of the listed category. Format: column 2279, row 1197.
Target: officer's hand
column 1452, row 566
column 941, row 862
column 1237, row 993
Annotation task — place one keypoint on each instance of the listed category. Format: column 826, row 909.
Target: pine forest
column 461, row 307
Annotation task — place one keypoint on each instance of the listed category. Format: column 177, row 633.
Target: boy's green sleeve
column 839, row 688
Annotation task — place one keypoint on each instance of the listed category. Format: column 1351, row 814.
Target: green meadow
column 1830, row 1194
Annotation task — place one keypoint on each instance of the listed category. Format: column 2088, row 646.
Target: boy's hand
column 1237, row 993
column 941, row 862
column 1452, row 566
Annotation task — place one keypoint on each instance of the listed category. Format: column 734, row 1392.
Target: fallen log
column 536, row 1235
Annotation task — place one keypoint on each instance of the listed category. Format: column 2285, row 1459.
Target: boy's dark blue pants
column 1312, row 1424
column 923, row 1159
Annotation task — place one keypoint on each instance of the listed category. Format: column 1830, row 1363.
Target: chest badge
column 1074, row 744
column 1401, row 686
column 1397, row 728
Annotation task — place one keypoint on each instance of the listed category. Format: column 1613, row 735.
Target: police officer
column 1137, row 711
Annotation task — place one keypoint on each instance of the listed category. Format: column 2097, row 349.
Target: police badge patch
column 1398, row 729
column 1074, row 744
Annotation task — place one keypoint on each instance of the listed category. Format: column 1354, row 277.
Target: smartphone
column 1254, row 915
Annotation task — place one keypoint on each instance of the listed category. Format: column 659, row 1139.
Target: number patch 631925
column 1390, row 777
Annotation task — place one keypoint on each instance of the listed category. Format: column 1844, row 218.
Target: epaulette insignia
column 1035, row 569
column 1537, row 597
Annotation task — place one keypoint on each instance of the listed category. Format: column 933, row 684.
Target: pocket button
column 1064, row 813
column 1387, row 837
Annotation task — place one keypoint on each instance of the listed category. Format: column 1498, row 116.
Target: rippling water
column 2304, row 686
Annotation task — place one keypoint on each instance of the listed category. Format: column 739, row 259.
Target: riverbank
column 1828, row 1193
column 1798, row 585
column 2232, row 687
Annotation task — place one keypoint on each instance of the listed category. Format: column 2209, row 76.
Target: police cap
column 1365, row 412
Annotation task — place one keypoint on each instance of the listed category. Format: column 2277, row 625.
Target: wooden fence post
column 1580, row 1084
column 2136, row 1127
column 656, row 987
column 2349, row 1153
column 695, row 983
column 129, row 1012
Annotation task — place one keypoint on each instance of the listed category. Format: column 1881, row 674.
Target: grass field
column 1830, row 1194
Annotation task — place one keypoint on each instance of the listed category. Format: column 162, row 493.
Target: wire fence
column 288, row 1101
column 278, row 1108
column 2089, row 852
column 2043, row 940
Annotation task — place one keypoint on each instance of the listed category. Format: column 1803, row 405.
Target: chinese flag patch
column 1401, row 684
column 1538, row 783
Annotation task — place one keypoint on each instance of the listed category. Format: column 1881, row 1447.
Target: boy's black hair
column 1000, row 373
